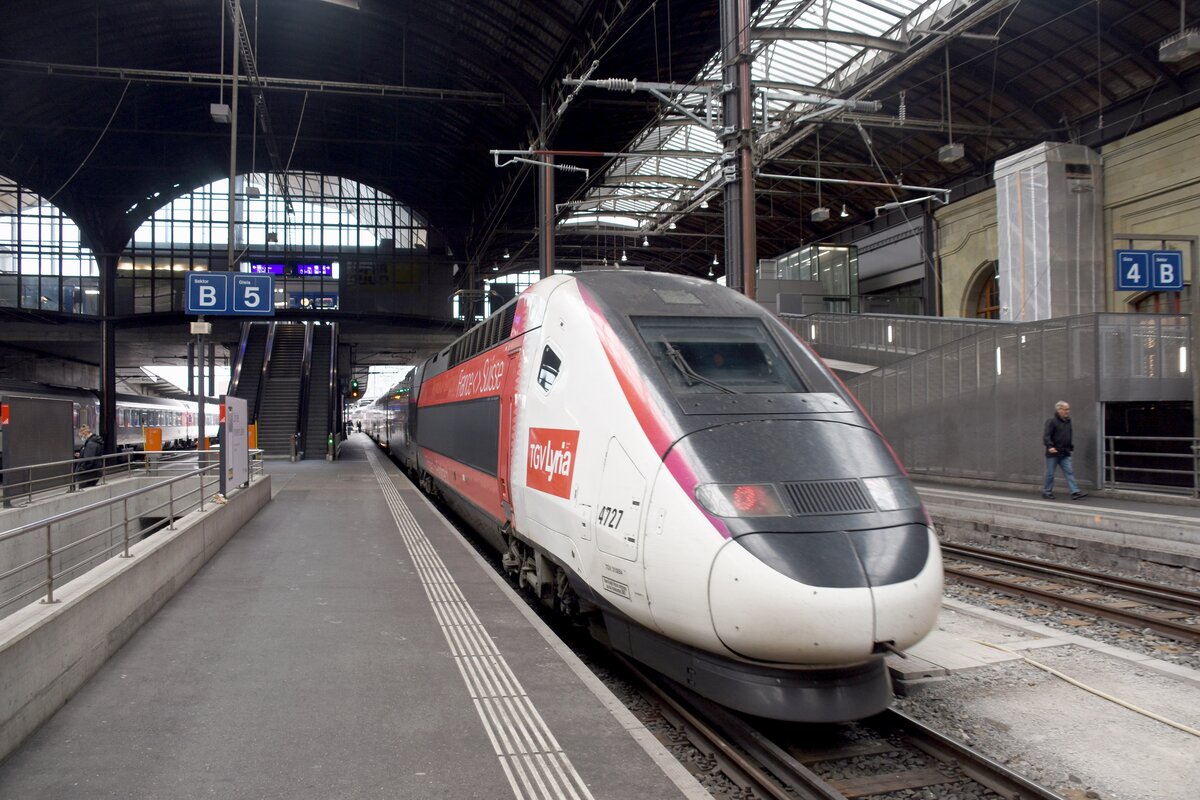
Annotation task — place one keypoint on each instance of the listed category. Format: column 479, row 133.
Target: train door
column 618, row 512
column 508, row 423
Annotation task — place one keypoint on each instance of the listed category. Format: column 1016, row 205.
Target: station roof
column 108, row 104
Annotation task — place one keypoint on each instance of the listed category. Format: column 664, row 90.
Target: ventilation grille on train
column 828, row 497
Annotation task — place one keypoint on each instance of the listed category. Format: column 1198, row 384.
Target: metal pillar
column 737, row 165
column 108, row 353
column 545, row 200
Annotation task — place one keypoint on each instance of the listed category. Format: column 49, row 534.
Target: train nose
column 823, row 597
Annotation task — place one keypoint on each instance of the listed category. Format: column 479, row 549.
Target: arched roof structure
column 107, row 104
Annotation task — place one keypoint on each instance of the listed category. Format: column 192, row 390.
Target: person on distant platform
column 1056, row 437
column 87, row 471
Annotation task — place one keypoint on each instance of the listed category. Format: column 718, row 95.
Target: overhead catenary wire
column 99, row 138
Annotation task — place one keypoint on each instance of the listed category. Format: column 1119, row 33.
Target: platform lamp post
column 235, row 52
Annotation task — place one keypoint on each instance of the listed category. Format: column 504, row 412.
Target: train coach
column 176, row 418
column 659, row 454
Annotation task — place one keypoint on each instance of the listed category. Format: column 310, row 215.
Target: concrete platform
column 345, row 644
column 1156, row 537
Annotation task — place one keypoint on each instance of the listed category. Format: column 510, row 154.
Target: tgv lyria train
column 662, row 453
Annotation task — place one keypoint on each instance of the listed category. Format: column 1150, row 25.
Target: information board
column 1149, row 270
column 235, row 451
column 225, row 293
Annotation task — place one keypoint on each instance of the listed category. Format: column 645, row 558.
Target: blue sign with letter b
column 207, row 293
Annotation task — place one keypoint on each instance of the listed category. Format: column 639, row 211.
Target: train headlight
column 892, row 494
column 740, row 500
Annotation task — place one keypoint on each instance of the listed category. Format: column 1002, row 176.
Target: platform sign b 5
column 230, row 293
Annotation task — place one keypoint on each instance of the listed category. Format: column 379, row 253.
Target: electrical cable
column 1097, row 692
column 99, row 138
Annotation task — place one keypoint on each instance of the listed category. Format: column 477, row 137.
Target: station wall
column 1151, row 188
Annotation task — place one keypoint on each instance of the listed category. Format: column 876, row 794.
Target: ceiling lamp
column 506, row 255
column 704, row 203
column 715, row 261
column 671, row 225
column 820, row 214
column 1182, row 45
column 624, row 257
column 645, row 241
column 949, row 153
column 844, row 213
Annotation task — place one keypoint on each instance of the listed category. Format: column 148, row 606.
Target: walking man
column 87, row 470
column 1056, row 437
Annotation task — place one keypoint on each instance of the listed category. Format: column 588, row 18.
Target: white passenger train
column 662, row 453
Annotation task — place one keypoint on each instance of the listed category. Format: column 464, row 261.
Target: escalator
column 279, row 408
column 287, row 374
column 247, row 373
column 319, row 394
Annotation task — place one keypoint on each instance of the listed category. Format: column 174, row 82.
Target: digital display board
column 314, row 269
column 266, row 269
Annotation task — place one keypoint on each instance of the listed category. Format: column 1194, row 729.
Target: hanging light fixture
column 645, row 241
column 671, row 225
column 624, row 257
column 844, row 213
column 704, row 203
column 710, row 272
column 715, row 261
column 506, row 255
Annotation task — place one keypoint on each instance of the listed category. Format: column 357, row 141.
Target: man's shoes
column 1047, row 497
column 1078, row 495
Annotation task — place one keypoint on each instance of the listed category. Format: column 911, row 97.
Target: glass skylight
column 671, row 166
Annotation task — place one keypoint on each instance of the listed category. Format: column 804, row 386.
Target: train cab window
column 548, row 370
column 708, row 355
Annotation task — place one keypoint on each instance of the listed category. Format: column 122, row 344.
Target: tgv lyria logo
column 550, row 465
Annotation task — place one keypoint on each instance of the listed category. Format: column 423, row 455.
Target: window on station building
column 313, row 232
column 983, row 295
column 498, row 291
column 1163, row 302
column 43, row 263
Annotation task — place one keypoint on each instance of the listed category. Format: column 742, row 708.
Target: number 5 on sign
column 252, row 294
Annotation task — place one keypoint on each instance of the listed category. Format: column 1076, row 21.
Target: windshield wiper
column 690, row 375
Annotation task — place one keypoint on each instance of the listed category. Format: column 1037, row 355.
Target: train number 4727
column 610, row 517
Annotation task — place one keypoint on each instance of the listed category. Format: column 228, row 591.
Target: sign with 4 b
column 1154, row 270
column 230, row 293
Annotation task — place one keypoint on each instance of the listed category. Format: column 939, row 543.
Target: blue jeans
column 1063, row 461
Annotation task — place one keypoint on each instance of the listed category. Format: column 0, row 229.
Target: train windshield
column 712, row 355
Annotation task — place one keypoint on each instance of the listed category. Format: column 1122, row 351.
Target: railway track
column 888, row 753
column 1171, row 612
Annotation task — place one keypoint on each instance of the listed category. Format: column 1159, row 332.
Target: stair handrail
column 331, row 411
column 241, row 357
column 301, row 426
column 262, row 378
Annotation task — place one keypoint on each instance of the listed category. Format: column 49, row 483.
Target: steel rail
column 1180, row 599
column 1175, row 630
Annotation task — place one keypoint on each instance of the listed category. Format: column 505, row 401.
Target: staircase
column 278, row 414
column 316, row 427
column 249, row 373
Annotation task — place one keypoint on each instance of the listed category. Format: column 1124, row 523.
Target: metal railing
column 185, row 492
column 24, row 483
column 1162, row 463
